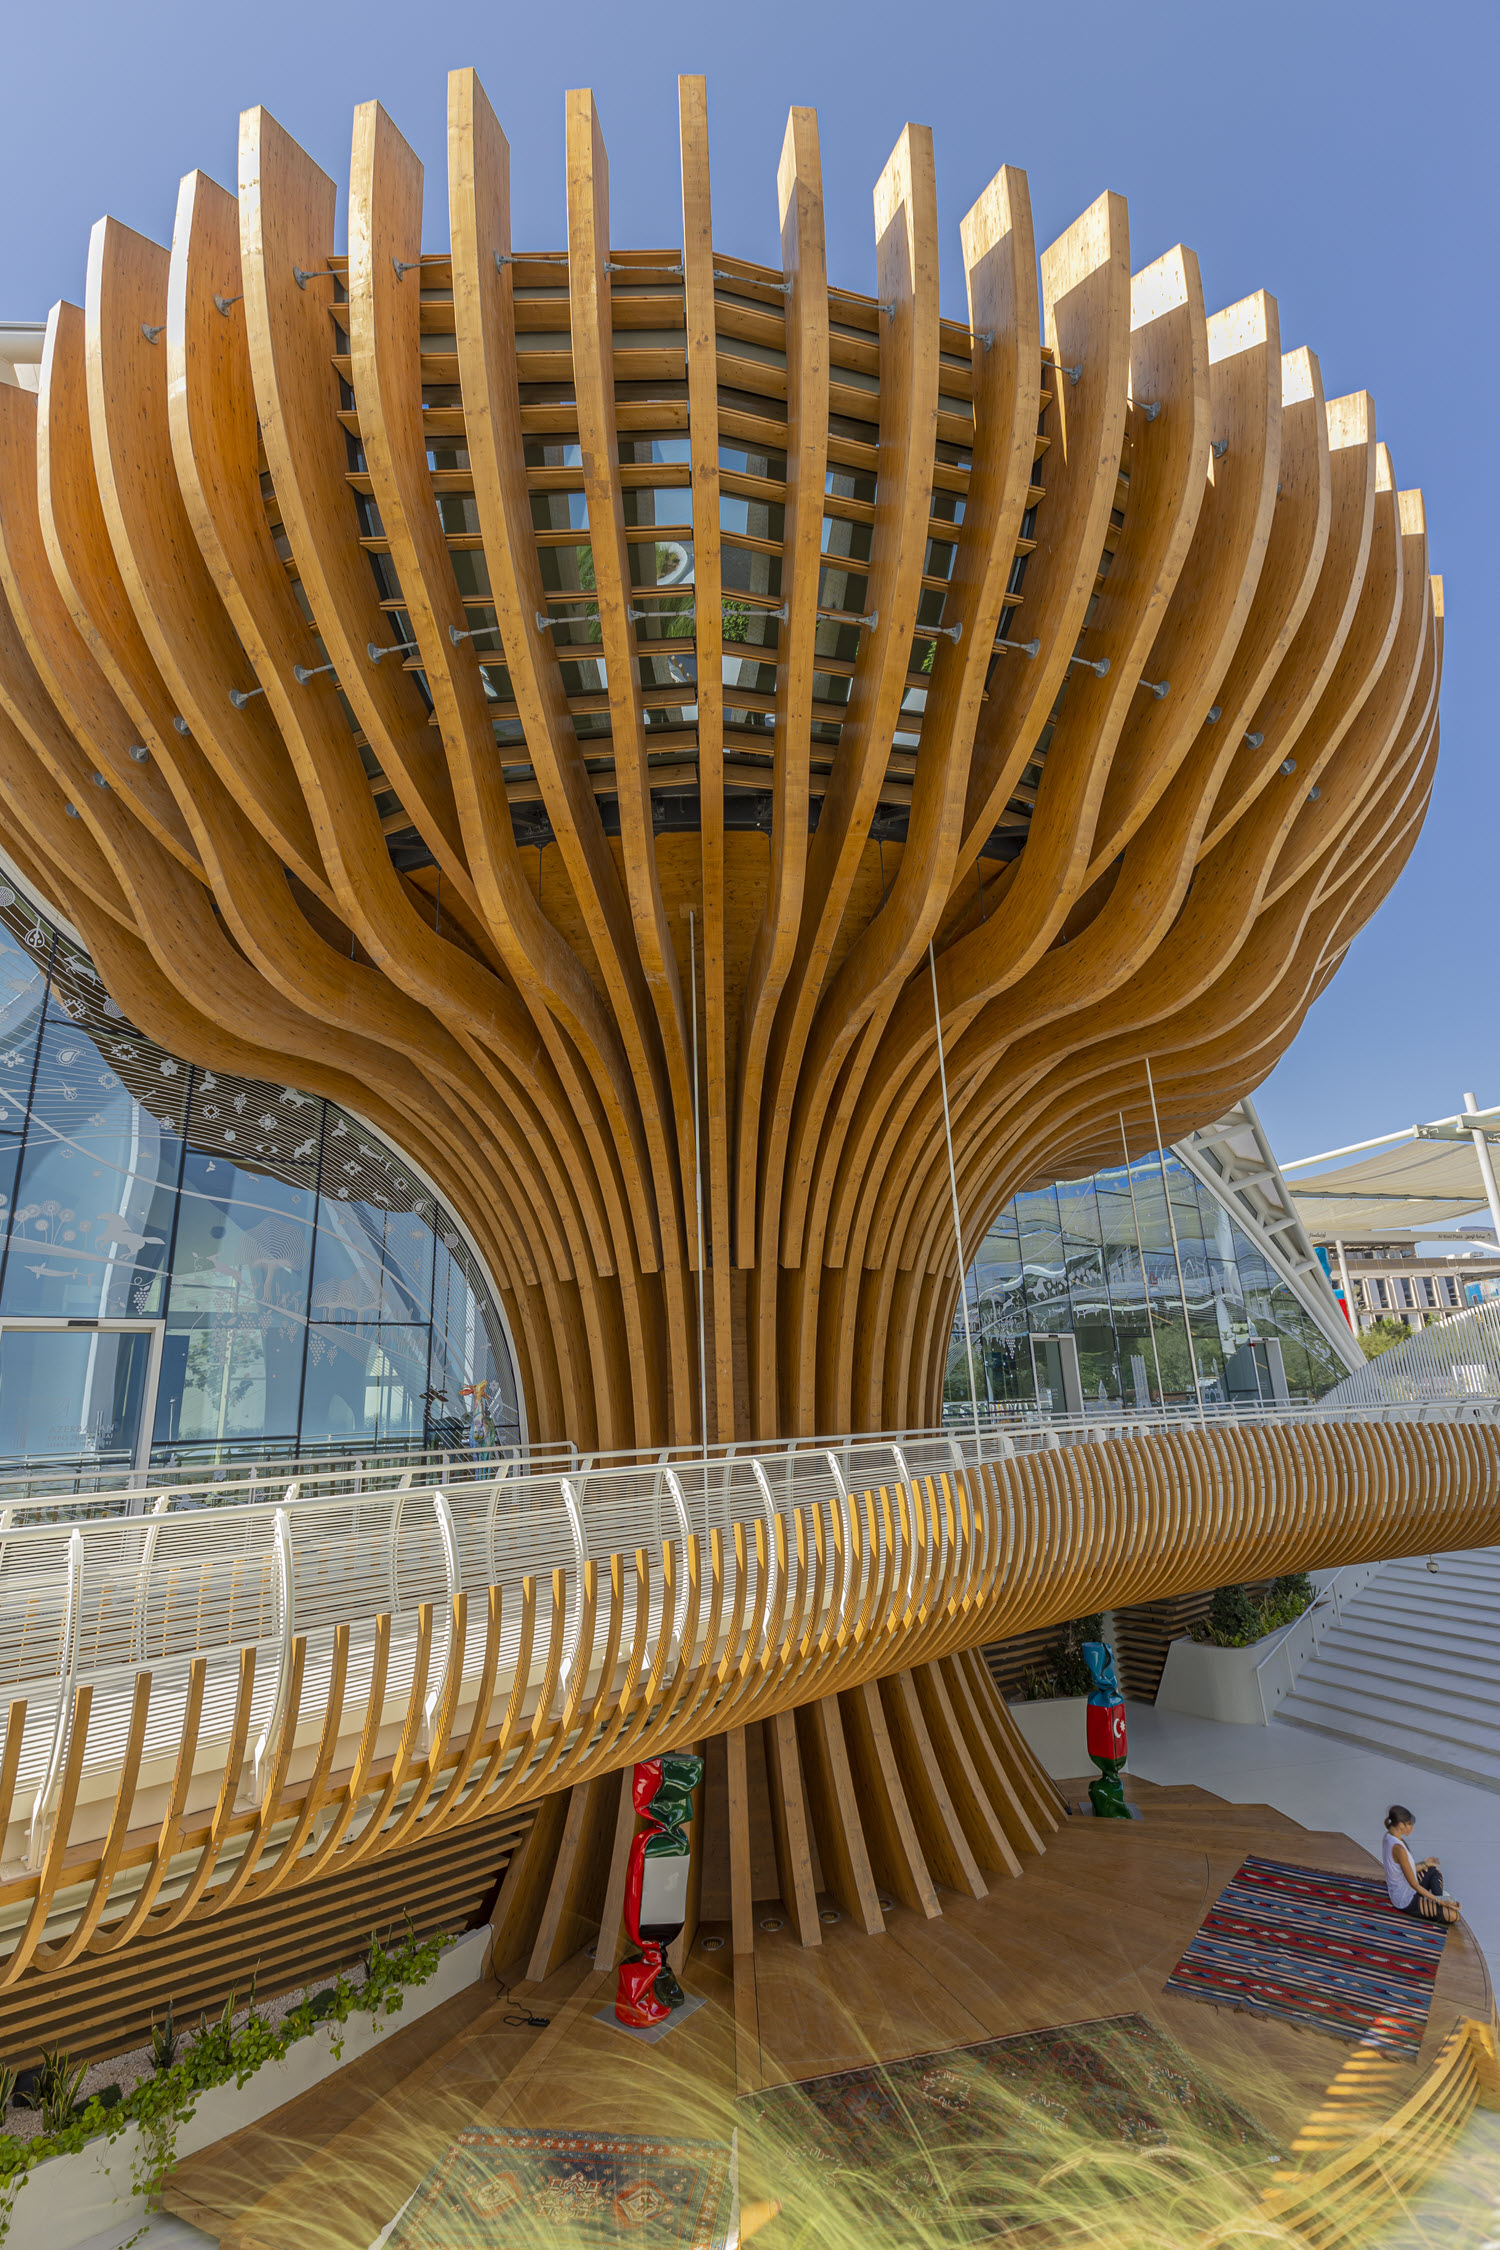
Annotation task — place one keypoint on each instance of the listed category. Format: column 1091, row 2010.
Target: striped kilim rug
column 1319, row 1949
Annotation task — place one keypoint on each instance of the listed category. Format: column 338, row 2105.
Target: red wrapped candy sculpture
column 656, row 1886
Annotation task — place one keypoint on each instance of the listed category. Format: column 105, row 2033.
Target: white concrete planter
column 1240, row 1686
column 69, row 2200
column 1056, row 1731
column 1243, row 1686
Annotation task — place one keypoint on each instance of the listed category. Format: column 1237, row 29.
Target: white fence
column 1453, row 1359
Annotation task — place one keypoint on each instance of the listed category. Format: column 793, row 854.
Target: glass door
column 1054, row 1362
column 80, row 1390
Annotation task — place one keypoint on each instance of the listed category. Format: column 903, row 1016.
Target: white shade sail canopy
column 1416, row 1183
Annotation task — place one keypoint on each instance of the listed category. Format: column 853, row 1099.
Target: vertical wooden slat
column 804, row 262
column 836, row 1816
column 948, row 1850
column 517, row 1912
column 612, row 1939
column 703, row 428
column 668, row 1102
column 978, row 1817
column 741, row 1895
column 789, row 1826
column 890, row 1833
column 580, row 1872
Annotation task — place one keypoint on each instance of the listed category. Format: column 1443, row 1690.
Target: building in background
column 1391, row 1227
column 1404, row 1275
column 196, row 1266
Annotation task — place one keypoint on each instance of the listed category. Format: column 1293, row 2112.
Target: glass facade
column 268, row 1274
column 1094, row 1259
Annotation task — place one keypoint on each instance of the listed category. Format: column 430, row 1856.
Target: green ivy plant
column 215, row 2054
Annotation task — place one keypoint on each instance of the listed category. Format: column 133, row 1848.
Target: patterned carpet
column 1319, row 1949
column 961, row 2142
column 499, row 2188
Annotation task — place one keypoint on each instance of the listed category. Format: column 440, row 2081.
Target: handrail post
column 574, row 1508
column 771, row 1512
column 286, row 1606
column 38, row 1834
column 685, row 1525
column 453, row 1571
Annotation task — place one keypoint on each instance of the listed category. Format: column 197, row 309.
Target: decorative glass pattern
column 309, row 1288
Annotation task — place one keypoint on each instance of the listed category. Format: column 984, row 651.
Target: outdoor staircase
column 1413, row 1667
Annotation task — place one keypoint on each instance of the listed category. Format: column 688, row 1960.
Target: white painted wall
column 1057, row 1732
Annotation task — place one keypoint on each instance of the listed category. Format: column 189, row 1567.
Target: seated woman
column 1415, row 1886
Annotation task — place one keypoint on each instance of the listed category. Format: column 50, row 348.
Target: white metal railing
column 1276, row 1673
column 1451, row 1359
column 191, row 1576
column 30, row 1497
column 118, row 1488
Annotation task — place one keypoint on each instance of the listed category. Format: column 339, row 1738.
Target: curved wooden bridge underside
column 1083, row 643
column 840, row 1698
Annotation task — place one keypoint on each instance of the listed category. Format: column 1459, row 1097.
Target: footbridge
column 259, row 1726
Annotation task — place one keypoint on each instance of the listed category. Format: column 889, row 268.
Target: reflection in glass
column 1043, row 1263
column 366, row 1385
column 71, row 1391
column 372, row 1264
column 228, row 1380
column 92, row 1213
column 1096, row 1257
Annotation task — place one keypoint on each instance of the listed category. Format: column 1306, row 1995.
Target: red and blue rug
column 1329, row 1951
column 503, row 2188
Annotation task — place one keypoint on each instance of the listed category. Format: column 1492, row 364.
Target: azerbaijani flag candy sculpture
column 1105, row 1721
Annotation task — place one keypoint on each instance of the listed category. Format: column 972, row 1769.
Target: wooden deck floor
column 1092, row 1929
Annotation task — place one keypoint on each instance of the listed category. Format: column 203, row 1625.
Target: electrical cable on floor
column 518, row 2018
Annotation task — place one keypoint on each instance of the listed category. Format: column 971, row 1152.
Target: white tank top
column 1400, row 1891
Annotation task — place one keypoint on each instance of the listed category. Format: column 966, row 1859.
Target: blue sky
column 1333, row 154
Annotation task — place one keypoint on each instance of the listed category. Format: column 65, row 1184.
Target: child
column 1414, row 1887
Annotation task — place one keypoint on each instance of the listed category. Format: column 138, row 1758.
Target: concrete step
column 1408, row 1702
column 1347, row 1723
column 1394, row 1610
column 1400, row 1609
column 1473, row 1584
column 1440, row 1663
column 1412, row 1668
column 1433, row 1685
column 1392, row 1604
column 1431, row 1636
column 1423, row 1636
column 1475, row 1562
